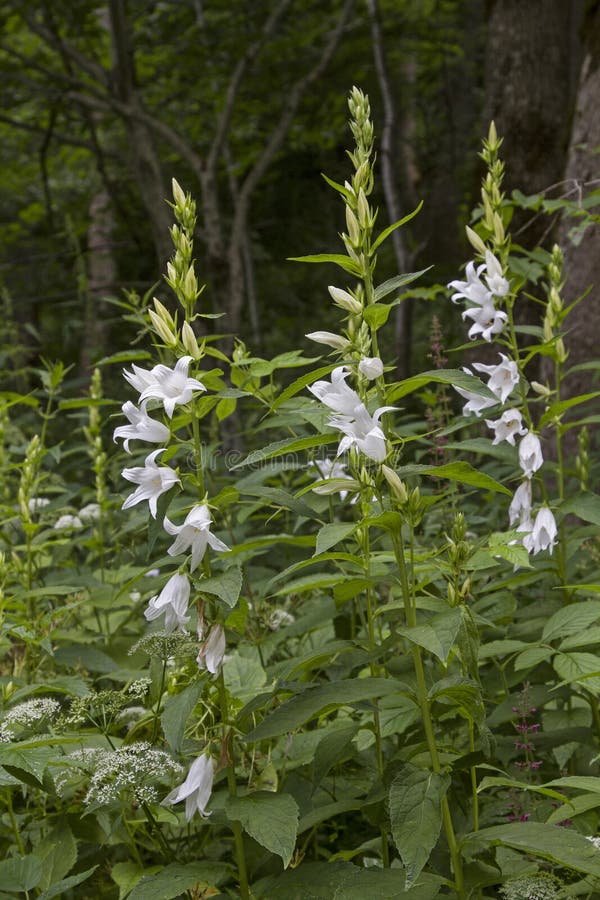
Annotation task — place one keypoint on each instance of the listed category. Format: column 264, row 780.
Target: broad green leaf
column 561, row 406
column 244, row 674
column 127, row 874
column 30, row 760
column 20, row 873
column 176, row 712
column 531, row 657
column 279, row 448
column 271, row 819
column 330, row 535
column 581, row 668
column 313, row 701
column 341, row 880
column 438, row 634
column 177, row 878
column 311, row 583
column 491, row 781
column 585, row 505
column 440, row 376
column 376, row 315
column 581, row 803
column 392, row 284
column 62, row 887
column 572, row 619
column 589, row 783
column 334, row 746
column 125, row 356
column 415, row 800
column 279, row 498
column 500, row 648
column 462, row 472
column 464, row 693
column 338, row 259
column 58, row 853
column 302, row 382
column 585, row 638
column 387, row 231
column 226, row 586
column 559, row 845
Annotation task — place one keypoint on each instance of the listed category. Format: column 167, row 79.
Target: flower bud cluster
column 554, row 306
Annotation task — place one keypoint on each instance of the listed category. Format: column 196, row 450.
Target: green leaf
column 58, row 852
column 226, row 586
column 499, row 781
column 559, row 845
column 29, row 760
column 60, row 888
column 176, row 712
column 330, row 535
column 462, row 472
column 178, row 878
column 392, row 284
column 588, row 783
column 586, row 506
column 300, row 383
column 271, row 819
column 127, row 874
column 581, row 668
column 376, row 315
column 279, row 498
column 440, row 376
column 338, row 259
column 331, row 749
column 415, row 800
column 313, row 701
column 572, row 619
column 244, row 674
column 125, row 356
column 387, row 231
column 20, row 873
column 438, row 634
column 280, row 448
column 530, row 657
column 561, row 406
column 341, row 880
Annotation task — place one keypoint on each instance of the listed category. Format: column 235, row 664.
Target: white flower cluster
column 532, row 887
column 25, row 714
column 360, row 429
column 172, row 387
column 132, row 769
column 539, row 532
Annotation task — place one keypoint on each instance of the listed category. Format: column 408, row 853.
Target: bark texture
column 582, row 261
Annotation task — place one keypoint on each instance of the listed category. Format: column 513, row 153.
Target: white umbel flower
column 172, row 602
column 172, row 387
column 196, row 789
column 507, row 427
column 68, row 521
column 530, row 454
column 142, row 427
column 152, row 481
column 194, row 533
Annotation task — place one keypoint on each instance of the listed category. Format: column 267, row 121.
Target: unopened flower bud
column 542, row 389
column 162, row 329
column 178, row 194
column 163, row 312
column 364, row 213
column 329, row 339
column 398, row 487
column 353, row 228
column 190, row 284
column 371, row 367
column 475, row 241
column 345, row 300
column 561, row 353
column 188, row 339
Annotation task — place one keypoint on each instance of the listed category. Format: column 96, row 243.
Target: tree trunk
column 582, row 260
column 101, row 275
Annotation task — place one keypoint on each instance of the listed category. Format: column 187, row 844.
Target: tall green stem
column 411, row 621
column 238, row 838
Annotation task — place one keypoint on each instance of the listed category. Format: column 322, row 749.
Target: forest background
column 244, row 103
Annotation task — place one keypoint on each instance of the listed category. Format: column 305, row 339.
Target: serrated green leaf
column 244, row 674
column 20, row 873
column 579, row 668
column 60, row 888
column 330, row 749
column 415, row 809
column 585, row 505
column 330, row 535
column 530, row 657
column 176, row 712
column 226, row 586
column 559, row 845
column 438, row 634
column 28, row 760
column 177, row 878
column 271, row 819
column 313, row 701
column 572, row 619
